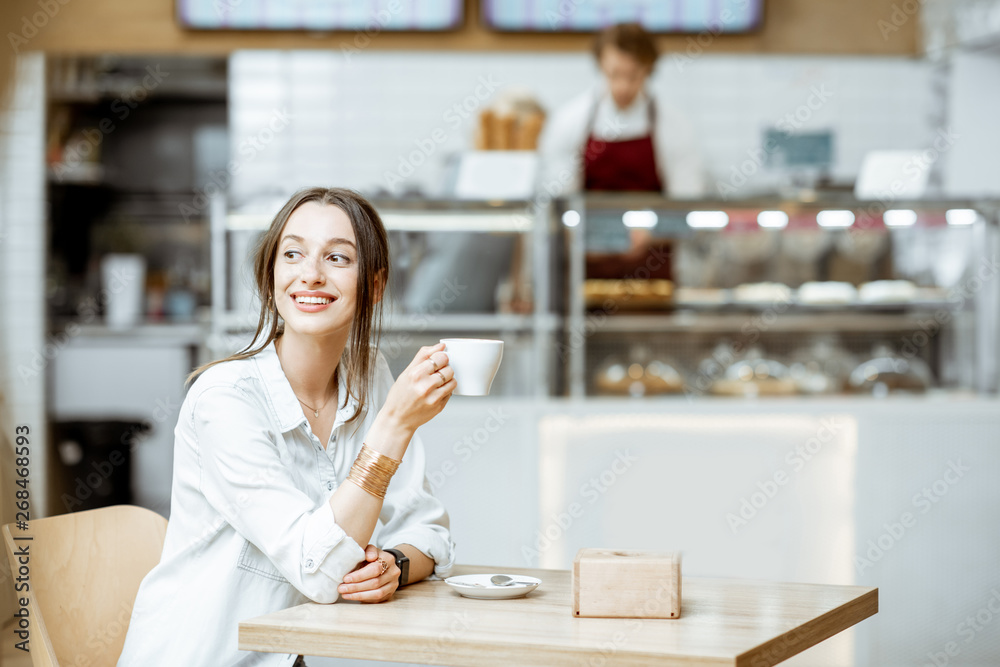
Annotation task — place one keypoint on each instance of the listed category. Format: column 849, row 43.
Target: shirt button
column 309, row 562
column 329, row 486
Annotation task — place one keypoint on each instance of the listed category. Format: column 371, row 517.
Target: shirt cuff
column 436, row 547
column 326, row 547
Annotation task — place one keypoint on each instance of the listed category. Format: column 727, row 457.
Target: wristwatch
column 403, row 563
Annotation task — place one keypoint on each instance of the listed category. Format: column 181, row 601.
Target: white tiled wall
column 22, row 253
column 971, row 168
column 353, row 118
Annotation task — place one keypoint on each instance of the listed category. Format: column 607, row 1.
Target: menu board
column 366, row 15
column 658, row 16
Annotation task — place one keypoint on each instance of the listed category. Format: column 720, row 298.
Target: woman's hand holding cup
column 420, row 392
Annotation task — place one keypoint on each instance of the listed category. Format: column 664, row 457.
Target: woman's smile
column 312, row 302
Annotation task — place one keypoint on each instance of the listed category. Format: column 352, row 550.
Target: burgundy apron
column 625, row 165
column 621, row 165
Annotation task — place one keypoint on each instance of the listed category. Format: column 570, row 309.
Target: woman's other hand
column 422, row 389
column 367, row 582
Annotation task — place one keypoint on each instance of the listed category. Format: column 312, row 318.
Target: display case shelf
column 960, row 313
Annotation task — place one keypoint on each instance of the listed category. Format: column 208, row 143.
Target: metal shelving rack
column 520, row 217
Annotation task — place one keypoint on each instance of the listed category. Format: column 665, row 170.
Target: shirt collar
column 602, row 94
column 286, row 404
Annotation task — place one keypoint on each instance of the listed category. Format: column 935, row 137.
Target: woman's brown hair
column 373, row 262
column 630, row 38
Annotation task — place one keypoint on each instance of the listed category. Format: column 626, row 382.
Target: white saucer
column 480, row 587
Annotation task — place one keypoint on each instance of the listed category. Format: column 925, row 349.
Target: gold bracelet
column 372, row 471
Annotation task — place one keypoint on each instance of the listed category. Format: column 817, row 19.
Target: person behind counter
column 615, row 136
column 267, row 510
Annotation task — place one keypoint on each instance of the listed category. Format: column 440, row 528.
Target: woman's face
column 626, row 76
column 317, row 256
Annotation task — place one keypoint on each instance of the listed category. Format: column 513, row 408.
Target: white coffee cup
column 475, row 362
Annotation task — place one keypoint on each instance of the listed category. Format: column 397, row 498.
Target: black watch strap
column 403, row 563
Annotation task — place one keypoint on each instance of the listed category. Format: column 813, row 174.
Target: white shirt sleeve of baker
column 411, row 514
column 561, row 146
column 243, row 478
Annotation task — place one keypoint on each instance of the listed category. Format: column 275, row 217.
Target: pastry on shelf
column 827, row 293
column 888, row 291
column 630, row 294
column 755, row 376
column 620, row 378
column 822, row 367
column 888, row 372
column 700, row 295
column 762, row 293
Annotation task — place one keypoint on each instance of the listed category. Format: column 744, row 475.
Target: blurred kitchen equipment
column 123, row 281
column 904, row 174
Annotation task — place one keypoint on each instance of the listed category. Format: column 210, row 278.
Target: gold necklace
column 315, row 411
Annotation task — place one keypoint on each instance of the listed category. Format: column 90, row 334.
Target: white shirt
column 251, row 529
column 565, row 135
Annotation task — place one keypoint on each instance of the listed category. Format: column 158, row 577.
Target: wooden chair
column 85, row 571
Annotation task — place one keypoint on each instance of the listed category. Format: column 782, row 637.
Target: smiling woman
column 261, row 518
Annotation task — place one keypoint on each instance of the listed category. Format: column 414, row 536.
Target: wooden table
column 723, row 622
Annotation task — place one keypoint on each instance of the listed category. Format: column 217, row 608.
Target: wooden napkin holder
column 612, row 583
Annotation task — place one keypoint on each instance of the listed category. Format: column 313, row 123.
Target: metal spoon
column 504, row 580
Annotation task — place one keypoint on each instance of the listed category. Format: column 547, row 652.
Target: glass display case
column 823, row 295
